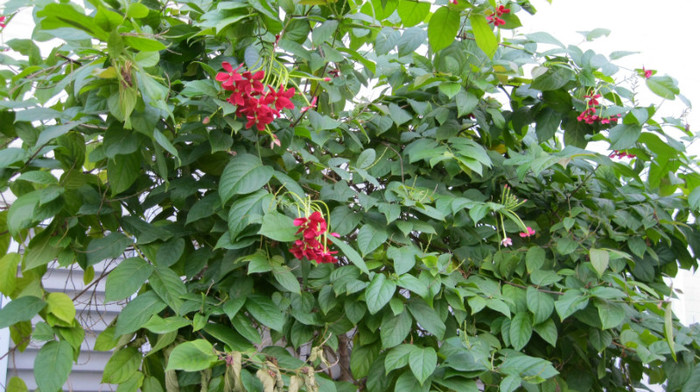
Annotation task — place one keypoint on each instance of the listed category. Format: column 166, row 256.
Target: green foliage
column 480, row 242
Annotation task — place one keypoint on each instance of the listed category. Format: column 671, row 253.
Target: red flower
column 495, row 20
column 502, row 10
column 647, row 73
column 2, row 22
column 530, row 232
column 309, row 246
column 229, row 77
column 281, row 98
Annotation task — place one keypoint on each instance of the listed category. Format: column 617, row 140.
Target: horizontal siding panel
column 78, row 381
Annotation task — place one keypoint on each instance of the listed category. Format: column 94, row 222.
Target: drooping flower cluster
column 621, row 154
column 312, row 243
column 258, row 103
column 590, row 116
column 495, row 17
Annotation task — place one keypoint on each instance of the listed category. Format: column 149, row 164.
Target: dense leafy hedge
column 283, row 232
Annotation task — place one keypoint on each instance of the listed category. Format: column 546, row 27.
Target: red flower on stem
column 258, row 106
column 647, row 73
column 499, row 12
column 313, row 229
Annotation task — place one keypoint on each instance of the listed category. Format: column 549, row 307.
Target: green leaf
column 379, row 293
column 624, row 136
column 61, row 306
column 395, row 329
column 663, row 86
column 138, row 312
column 611, row 314
column 122, row 172
column 20, row 309
column 443, row 27
column 427, row 317
column 540, row 304
column 398, row 357
column 366, row 158
column 52, row 365
column 11, row 155
column 350, row 253
column 553, row 79
column 122, row 365
column 466, row 102
column 286, row 278
column 144, row 44
column 510, row 383
column 8, row 273
column 242, row 175
column 569, row 303
column 412, row 12
column 370, row 238
column 422, row 362
column 404, row 258
column 265, row 311
column 127, row 278
column 22, row 212
column 324, row 32
column 110, row 247
column 161, row 325
column 248, row 210
column 278, row 227
column 137, row 10
column 520, row 330
column 192, row 356
column 232, row 339
column 16, row 384
column 668, row 328
column 170, row 252
column 483, row 34
column 548, row 331
column 534, row 259
column 600, row 259
column 450, row 89
column 398, row 115
column 362, row 358
column 169, row 287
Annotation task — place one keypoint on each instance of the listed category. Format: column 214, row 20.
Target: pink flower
column 453, row 2
column 2, row 22
column 495, row 20
column 507, row 242
column 309, row 246
column 647, row 73
column 529, row 232
column 311, row 106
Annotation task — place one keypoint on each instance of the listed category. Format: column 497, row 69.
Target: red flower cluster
column 589, row 115
column 2, row 22
column 621, row 154
column 495, row 19
column 260, row 106
column 312, row 230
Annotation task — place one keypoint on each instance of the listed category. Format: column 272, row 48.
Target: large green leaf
column 52, row 365
column 395, row 328
column 138, row 312
column 379, row 293
column 483, row 34
column 122, row 172
column 8, row 273
column 20, row 309
column 192, row 356
column 242, row 175
column 278, row 227
column 520, row 330
column 422, row 362
column 109, row 247
column 122, row 365
column 265, row 311
column 442, row 28
column 427, row 317
column 413, row 12
column 127, row 278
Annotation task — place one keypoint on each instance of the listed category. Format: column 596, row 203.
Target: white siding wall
column 92, row 313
